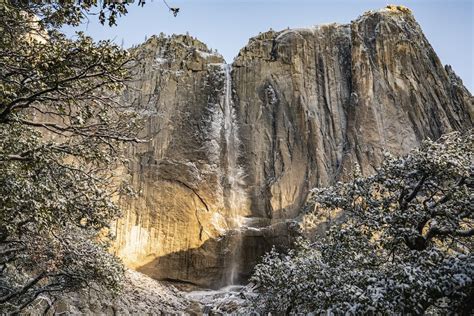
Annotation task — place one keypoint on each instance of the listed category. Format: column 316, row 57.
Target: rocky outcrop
column 234, row 150
column 140, row 295
column 314, row 101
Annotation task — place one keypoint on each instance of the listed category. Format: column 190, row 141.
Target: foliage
column 58, row 13
column 403, row 246
column 61, row 129
column 72, row 12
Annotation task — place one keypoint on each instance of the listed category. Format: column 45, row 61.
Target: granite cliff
column 235, row 148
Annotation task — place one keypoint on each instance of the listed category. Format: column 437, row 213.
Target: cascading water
column 234, row 194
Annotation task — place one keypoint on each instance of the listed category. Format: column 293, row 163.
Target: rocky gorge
column 235, row 148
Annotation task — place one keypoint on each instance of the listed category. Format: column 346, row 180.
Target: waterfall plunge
column 234, row 194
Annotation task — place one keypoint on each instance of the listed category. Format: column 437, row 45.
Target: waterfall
column 234, row 194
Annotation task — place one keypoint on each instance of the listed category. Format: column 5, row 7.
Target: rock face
column 169, row 231
column 140, row 295
column 234, row 149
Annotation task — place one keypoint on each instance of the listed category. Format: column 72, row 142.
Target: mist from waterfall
column 234, row 194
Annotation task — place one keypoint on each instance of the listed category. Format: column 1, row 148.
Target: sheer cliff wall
column 305, row 105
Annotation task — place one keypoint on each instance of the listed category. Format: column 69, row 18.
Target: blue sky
column 226, row 25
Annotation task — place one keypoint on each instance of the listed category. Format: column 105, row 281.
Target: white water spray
column 233, row 185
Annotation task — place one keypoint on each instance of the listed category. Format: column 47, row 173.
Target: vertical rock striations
column 314, row 101
column 404, row 93
column 293, row 91
column 168, row 231
column 234, row 150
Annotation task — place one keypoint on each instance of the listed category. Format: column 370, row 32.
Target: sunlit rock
column 235, row 149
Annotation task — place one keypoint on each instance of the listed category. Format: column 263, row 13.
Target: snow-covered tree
column 60, row 132
column 402, row 242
